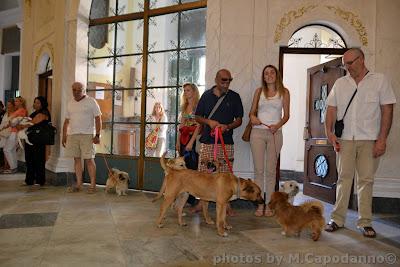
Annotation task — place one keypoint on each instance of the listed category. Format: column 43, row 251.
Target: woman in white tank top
column 266, row 136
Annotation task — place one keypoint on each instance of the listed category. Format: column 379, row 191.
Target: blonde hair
column 184, row 100
column 23, row 101
column 154, row 113
column 278, row 81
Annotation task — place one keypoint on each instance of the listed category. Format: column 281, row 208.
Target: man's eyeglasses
column 226, row 79
column 349, row 63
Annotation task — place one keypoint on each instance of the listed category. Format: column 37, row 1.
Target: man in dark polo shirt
column 227, row 117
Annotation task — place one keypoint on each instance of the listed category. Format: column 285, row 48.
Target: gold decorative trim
column 353, row 20
column 47, row 46
column 287, row 19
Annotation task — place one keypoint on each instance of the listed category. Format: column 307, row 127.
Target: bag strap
column 258, row 100
column 348, row 105
column 217, row 105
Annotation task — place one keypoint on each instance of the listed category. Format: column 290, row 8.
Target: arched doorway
column 310, row 64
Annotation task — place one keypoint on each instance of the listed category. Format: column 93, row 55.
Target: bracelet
column 97, row 135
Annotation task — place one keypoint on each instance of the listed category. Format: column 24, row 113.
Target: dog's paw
column 228, row 226
column 223, row 234
column 160, row 225
column 183, row 224
column 315, row 236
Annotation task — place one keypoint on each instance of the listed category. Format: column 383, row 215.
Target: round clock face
column 321, row 166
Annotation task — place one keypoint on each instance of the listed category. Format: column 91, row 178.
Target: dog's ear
column 249, row 188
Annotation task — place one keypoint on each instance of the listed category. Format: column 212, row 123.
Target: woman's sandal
column 332, row 227
column 73, row 189
column 268, row 213
column 368, row 231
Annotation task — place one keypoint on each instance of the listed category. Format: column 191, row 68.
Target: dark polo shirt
column 230, row 108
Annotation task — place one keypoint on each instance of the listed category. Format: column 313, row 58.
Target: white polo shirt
column 363, row 118
column 81, row 115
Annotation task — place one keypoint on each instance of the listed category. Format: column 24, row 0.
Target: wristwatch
column 97, row 135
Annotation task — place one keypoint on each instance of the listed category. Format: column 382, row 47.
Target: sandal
column 268, row 213
column 73, row 189
column 332, row 227
column 368, row 231
column 91, row 190
column 259, row 212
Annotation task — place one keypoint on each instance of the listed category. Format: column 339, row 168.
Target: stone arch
column 347, row 23
column 45, row 52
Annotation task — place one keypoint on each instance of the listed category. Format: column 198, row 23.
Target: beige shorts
column 80, row 146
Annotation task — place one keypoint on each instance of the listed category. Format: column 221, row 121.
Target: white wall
column 295, row 79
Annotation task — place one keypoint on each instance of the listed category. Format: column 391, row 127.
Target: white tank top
column 269, row 110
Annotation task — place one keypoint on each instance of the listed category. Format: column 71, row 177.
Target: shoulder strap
column 258, row 99
column 351, row 99
column 217, row 105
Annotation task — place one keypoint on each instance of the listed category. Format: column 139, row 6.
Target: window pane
column 126, row 139
column 130, row 37
column 162, row 3
column 193, row 28
column 165, row 140
column 316, row 36
column 130, row 6
column 100, row 73
column 158, row 74
column 127, row 105
column 105, row 140
column 101, row 40
column 166, row 97
column 128, row 73
column 192, row 66
column 163, row 32
column 104, row 99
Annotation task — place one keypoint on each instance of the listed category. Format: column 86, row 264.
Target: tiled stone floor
column 105, row 230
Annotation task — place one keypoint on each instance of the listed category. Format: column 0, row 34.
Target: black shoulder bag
column 339, row 124
column 42, row 133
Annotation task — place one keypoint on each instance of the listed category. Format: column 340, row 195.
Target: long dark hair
column 44, row 106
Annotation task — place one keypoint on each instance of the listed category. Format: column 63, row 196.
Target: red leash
column 218, row 135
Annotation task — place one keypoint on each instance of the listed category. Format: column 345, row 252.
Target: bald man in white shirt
column 366, row 128
column 81, row 131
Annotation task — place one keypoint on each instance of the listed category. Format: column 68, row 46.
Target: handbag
column 152, row 138
column 339, row 124
column 42, row 134
column 249, row 126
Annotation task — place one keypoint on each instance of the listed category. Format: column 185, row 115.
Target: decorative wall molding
column 353, row 20
column 287, row 19
column 46, row 47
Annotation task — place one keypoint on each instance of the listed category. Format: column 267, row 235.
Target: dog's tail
column 166, row 168
column 313, row 206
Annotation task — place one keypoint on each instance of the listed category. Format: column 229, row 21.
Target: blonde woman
column 188, row 128
column 266, row 136
column 5, row 130
column 10, row 151
column 158, row 115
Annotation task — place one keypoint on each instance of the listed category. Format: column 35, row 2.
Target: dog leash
column 218, row 135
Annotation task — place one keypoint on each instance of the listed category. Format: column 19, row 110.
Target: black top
column 230, row 109
column 43, row 111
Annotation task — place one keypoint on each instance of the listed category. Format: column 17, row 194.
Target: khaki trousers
column 265, row 148
column 355, row 159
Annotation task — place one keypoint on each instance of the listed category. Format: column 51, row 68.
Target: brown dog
column 293, row 219
column 218, row 187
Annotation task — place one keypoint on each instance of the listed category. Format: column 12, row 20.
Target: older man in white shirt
column 366, row 128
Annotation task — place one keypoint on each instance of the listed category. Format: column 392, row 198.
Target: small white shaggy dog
column 119, row 181
column 291, row 188
column 21, row 135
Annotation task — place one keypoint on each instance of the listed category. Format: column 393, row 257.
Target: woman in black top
column 35, row 155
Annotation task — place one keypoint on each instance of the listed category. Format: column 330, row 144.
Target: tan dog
column 291, row 188
column 218, row 187
column 294, row 219
column 119, row 181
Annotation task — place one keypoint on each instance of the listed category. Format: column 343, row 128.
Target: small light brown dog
column 119, row 181
column 294, row 219
column 218, row 187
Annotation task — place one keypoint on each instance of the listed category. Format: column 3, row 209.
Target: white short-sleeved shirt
column 363, row 118
column 81, row 115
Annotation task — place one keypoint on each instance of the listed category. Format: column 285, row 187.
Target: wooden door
column 320, row 173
